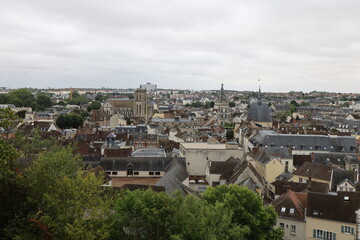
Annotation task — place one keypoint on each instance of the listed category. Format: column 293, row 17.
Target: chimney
column 309, row 184
column 356, row 176
column 312, row 156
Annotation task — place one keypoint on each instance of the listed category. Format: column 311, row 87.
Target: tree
column 248, row 210
column 151, row 215
column 95, row 105
column 231, row 104
column 22, row 98
column 8, row 119
column 63, row 201
column 229, row 134
column 21, row 114
column 69, row 121
column 43, row 101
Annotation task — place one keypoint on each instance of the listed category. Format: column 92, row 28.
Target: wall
column 328, row 225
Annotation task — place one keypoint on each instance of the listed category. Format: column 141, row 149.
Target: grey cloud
column 290, row 45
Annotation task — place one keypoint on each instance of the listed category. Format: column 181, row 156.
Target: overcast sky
column 190, row 44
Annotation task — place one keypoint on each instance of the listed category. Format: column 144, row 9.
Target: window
column 318, row 233
column 283, row 209
column 317, row 147
column 151, row 173
column 157, row 173
column 300, row 180
column 114, row 173
column 292, row 210
column 130, row 170
column 282, row 225
column 347, row 229
column 136, row 173
column 293, row 229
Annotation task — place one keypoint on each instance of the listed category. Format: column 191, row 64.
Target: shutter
column 352, row 231
column 314, row 233
column 334, row 235
column 342, row 229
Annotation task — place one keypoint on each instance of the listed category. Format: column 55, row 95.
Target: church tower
column 222, row 97
column 140, row 100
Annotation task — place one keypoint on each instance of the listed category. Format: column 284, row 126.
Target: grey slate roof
column 138, row 163
column 339, row 176
column 311, row 142
column 334, row 158
column 259, row 112
column 175, row 174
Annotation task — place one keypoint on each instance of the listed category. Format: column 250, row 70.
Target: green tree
column 151, row 215
column 231, row 104
column 95, row 105
column 8, row 119
column 43, row 101
column 229, row 134
column 248, row 210
column 4, row 98
column 100, row 97
column 69, row 121
column 22, row 98
column 64, row 201
column 21, row 114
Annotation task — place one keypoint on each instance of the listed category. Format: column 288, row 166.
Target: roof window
column 283, row 209
column 346, row 198
column 292, row 210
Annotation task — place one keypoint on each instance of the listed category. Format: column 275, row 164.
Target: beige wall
column 141, row 174
column 271, row 170
column 296, row 178
column 328, row 225
column 196, row 158
column 299, row 225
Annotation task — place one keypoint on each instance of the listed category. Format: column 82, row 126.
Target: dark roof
column 259, row 112
column 291, row 200
column 282, row 186
column 218, row 167
column 339, row 176
column 317, row 171
column 175, row 174
column 338, row 207
column 117, row 152
column 238, row 171
column 299, row 160
column 139, row 163
column 334, row 158
column 311, row 142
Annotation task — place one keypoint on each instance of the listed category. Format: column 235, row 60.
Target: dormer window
column 292, row 211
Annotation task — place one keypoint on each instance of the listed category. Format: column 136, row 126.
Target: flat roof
column 201, row 145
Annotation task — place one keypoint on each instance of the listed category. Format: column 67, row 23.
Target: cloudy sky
column 290, row 45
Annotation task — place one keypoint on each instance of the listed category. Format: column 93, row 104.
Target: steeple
column 259, row 93
column 222, row 97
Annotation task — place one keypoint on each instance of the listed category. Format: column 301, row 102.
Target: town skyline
column 289, row 46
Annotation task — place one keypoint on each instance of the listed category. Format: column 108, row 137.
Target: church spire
column 222, row 97
column 259, row 93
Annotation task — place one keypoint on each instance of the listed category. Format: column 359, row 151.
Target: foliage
column 100, row 97
column 229, row 134
column 24, row 98
column 69, row 121
column 43, row 101
column 21, row 114
column 8, row 118
column 150, row 215
column 231, row 104
column 248, row 210
column 95, row 105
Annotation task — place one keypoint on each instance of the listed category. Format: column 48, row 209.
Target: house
column 197, row 154
column 291, row 209
column 218, row 172
column 313, row 172
column 135, row 170
column 333, row 216
column 123, row 106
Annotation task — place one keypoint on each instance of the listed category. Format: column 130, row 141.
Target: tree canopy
column 69, row 121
